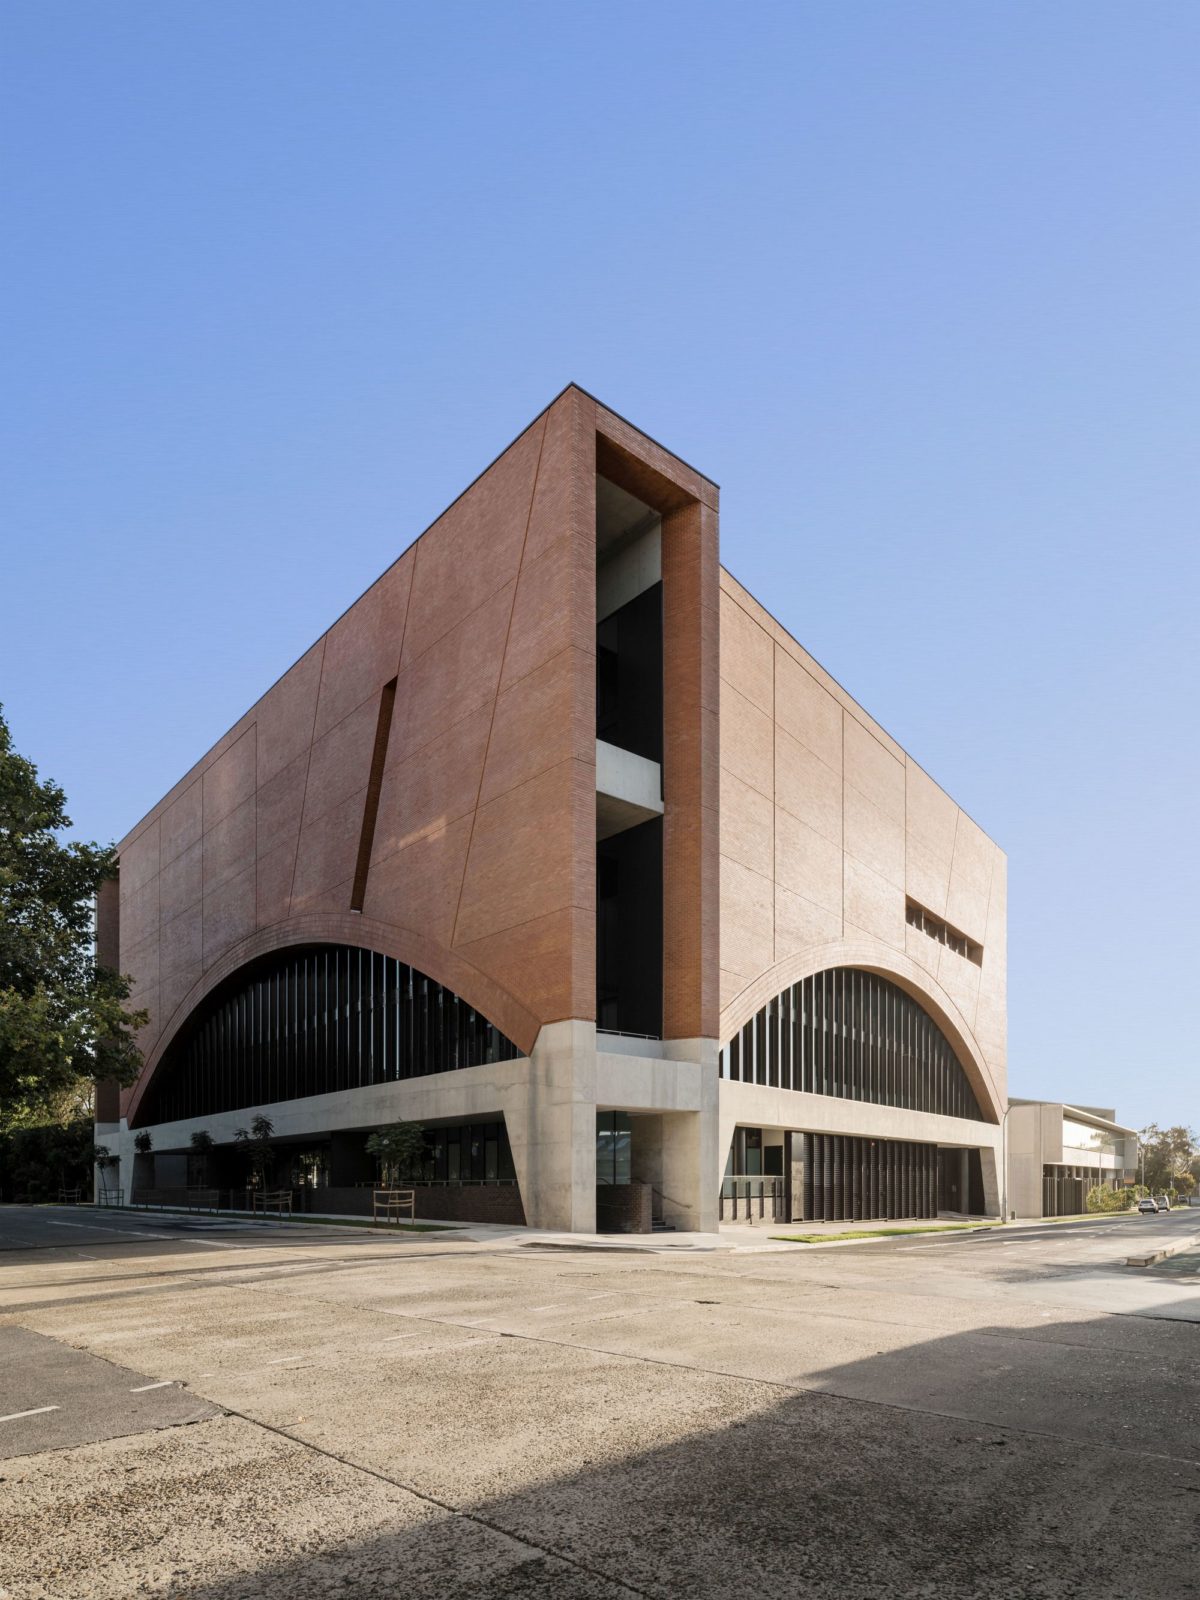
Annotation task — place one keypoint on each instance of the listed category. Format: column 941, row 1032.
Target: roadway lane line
column 142, row 1387
column 97, row 1227
column 36, row 1412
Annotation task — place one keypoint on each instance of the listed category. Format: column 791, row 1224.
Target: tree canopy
column 398, row 1148
column 1167, row 1155
column 63, row 1020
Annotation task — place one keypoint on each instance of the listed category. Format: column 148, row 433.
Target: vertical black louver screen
column 313, row 1020
column 852, row 1034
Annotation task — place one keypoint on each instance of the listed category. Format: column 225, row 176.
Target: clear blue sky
column 916, row 283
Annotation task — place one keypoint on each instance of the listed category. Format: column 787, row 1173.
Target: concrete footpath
column 759, row 1235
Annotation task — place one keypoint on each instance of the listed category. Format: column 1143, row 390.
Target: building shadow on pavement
column 985, row 1464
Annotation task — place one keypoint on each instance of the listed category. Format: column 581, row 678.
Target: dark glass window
column 466, row 1152
column 614, row 1147
column 629, row 676
column 852, row 1034
column 629, row 935
column 311, row 1020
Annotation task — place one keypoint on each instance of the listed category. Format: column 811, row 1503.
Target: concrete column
column 991, row 1180
column 551, row 1122
column 694, row 1155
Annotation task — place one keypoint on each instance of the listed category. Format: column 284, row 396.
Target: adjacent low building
column 1057, row 1152
column 558, row 843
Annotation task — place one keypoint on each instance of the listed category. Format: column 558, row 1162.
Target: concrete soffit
column 868, row 956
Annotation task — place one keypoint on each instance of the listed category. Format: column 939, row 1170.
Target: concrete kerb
column 757, row 1239
column 434, row 1229
column 1171, row 1249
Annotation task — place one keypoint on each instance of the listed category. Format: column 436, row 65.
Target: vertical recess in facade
column 629, row 720
column 383, row 728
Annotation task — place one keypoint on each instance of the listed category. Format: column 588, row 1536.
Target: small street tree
column 106, row 1162
column 203, row 1144
column 257, row 1140
column 63, row 1020
column 398, row 1147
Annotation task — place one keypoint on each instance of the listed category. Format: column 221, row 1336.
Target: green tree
column 203, row 1145
column 63, row 1020
column 1102, row 1198
column 35, row 1163
column 107, row 1162
column 398, row 1147
column 257, row 1140
column 1166, row 1153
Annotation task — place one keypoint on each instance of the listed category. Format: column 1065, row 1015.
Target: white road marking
column 132, row 1333
column 280, row 1361
column 36, row 1412
column 98, row 1227
column 142, row 1387
column 392, row 1337
column 458, row 1344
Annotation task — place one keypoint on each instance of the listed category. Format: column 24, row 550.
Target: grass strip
column 883, row 1233
column 271, row 1216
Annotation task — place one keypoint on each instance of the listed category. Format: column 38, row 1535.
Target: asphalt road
column 76, row 1227
column 52, row 1396
column 1008, row 1414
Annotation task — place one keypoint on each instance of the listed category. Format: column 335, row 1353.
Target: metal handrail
column 440, row 1183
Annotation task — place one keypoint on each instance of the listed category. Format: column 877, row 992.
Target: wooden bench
column 391, row 1204
column 277, row 1200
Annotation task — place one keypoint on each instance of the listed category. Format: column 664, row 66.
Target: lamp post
column 1004, row 1162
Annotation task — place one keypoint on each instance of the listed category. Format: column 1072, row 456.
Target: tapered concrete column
column 693, row 1154
column 991, row 1181
column 552, row 1129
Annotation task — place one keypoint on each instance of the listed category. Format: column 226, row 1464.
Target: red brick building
column 557, row 843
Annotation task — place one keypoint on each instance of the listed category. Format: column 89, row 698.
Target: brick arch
column 347, row 928
column 906, row 974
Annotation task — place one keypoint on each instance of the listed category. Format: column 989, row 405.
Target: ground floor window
column 614, row 1147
